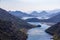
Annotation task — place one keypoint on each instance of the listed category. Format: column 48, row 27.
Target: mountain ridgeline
column 20, row 14
column 12, row 27
column 39, row 14
column 55, row 19
column 42, row 14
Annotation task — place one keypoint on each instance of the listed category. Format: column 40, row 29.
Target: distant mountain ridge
column 20, row 14
column 54, row 19
column 4, row 15
column 42, row 14
column 39, row 14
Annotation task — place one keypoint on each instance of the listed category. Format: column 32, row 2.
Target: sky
column 30, row 5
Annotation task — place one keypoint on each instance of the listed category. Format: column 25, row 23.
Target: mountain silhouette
column 20, row 14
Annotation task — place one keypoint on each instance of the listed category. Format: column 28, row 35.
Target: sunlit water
column 39, row 33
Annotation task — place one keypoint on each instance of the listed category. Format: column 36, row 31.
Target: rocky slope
column 9, row 32
column 4, row 15
column 55, row 31
column 11, row 27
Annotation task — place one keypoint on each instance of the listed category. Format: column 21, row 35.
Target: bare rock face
column 55, row 31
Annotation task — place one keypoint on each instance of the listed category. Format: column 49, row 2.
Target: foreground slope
column 11, row 27
column 9, row 32
column 55, row 31
column 4, row 15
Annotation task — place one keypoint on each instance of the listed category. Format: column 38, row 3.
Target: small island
column 38, row 25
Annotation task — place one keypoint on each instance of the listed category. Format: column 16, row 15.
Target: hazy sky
column 29, row 5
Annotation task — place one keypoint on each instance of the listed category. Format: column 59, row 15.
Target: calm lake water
column 39, row 32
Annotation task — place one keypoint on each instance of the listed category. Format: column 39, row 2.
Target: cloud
column 27, row 5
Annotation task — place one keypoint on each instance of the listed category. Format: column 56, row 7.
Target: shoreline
column 48, row 23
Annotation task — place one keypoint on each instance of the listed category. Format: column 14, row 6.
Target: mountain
column 12, row 27
column 4, row 15
column 34, row 13
column 54, row 11
column 46, row 13
column 55, row 18
column 32, row 20
column 55, row 31
column 20, row 14
column 41, row 14
column 9, row 32
column 52, row 15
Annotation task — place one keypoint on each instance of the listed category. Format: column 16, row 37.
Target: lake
column 39, row 32
column 35, row 17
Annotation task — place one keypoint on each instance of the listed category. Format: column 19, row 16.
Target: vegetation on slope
column 55, row 31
